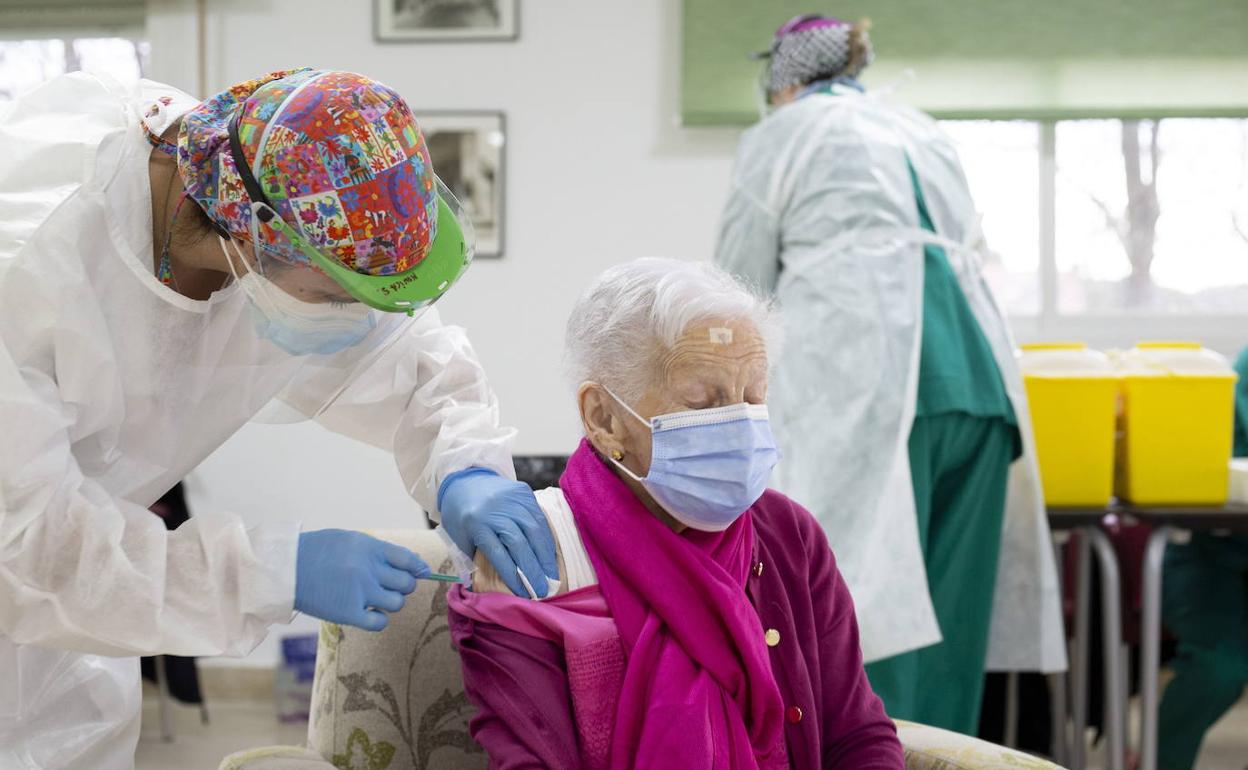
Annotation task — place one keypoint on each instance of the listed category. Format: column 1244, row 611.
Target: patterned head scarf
column 339, row 156
column 810, row 48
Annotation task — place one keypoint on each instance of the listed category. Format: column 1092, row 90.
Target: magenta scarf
column 698, row 690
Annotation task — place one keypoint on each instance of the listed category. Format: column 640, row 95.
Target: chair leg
column 166, row 705
column 1150, row 645
column 1059, row 699
column 1011, row 710
column 1079, row 661
column 1111, row 631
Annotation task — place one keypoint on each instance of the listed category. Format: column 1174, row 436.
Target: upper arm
column 749, row 235
column 519, row 685
column 486, row 580
column 83, row 568
column 426, row 398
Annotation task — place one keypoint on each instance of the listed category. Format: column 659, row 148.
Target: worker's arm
column 84, row 570
column 80, row 567
column 749, row 231
column 427, row 400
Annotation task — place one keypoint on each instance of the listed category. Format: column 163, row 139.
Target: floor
column 234, row 725
column 239, row 725
column 1226, row 745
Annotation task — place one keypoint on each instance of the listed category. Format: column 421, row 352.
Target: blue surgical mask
column 708, row 466
column 301, row 328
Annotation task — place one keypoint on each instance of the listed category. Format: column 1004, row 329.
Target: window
column 1151, row 216
column 1003, row 171
column 1147, row 218
column 25, row 64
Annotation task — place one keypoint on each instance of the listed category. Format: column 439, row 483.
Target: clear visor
column 308, row 291
column 301, row 302
column 762, row 86
column 304, row 263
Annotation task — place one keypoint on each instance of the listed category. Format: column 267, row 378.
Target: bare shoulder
column 486, row 580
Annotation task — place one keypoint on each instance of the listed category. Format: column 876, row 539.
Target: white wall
column 597, row 172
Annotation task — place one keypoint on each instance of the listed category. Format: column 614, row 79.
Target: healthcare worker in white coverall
column 896, row 399
column 168, row 268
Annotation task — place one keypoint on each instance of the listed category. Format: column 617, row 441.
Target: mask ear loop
column 627, row 408
column 643, row 420
column 262, row 289
column 225, row 249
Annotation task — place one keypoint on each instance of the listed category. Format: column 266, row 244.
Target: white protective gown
column 113, row 387
column 822, row 214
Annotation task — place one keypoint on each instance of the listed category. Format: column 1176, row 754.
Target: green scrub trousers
column 962, row 443
column 1205, row 605
column 959, row 464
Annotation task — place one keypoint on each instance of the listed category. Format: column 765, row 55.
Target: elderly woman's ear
column 603, row 427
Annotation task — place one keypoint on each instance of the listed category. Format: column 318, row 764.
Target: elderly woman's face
column 713, row 364
column 716, row 363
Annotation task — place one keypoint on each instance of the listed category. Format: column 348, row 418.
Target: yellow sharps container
column 1178, row 421
column 1073, row 395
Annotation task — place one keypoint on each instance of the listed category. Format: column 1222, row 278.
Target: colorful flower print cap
column 329, row 170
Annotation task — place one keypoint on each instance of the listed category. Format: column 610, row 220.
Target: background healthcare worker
column 1205, row 605
column 168, row 268
column 896, row 399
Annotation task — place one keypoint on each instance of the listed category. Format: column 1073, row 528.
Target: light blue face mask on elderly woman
column 708, row 466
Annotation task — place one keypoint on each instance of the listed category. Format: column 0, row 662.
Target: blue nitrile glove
column 481, row 509
column 353, row 578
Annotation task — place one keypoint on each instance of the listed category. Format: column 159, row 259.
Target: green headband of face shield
column 449, row 255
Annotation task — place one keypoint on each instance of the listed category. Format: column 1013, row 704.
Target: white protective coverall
column 113, row 387
column 822, row 214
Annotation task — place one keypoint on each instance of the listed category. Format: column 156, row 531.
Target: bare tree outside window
column 1135, row 224
column 1138, row 232
column 1147, row 212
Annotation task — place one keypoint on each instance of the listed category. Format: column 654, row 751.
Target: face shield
column 762, row 89
column 331, row 282
column 338, row 321
column 406, row 292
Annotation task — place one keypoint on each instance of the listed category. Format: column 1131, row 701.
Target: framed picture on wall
column 446, row 20
column 467, row 150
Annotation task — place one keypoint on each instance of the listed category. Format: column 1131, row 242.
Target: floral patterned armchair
column 395, row 700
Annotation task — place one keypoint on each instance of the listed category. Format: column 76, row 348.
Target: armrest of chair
column 930, row 748
column 276, row 758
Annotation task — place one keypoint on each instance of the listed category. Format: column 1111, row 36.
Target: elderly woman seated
column 700, row 621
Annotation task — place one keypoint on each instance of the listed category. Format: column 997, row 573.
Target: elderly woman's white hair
column 637, row 310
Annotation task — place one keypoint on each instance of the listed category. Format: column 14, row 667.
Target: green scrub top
column 1241, row 405
column 957, row 371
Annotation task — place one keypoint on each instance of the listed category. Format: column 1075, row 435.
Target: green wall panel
column 1007, row 58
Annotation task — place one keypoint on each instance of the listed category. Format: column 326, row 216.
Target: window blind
column 53, row 18
column 1007, row 59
